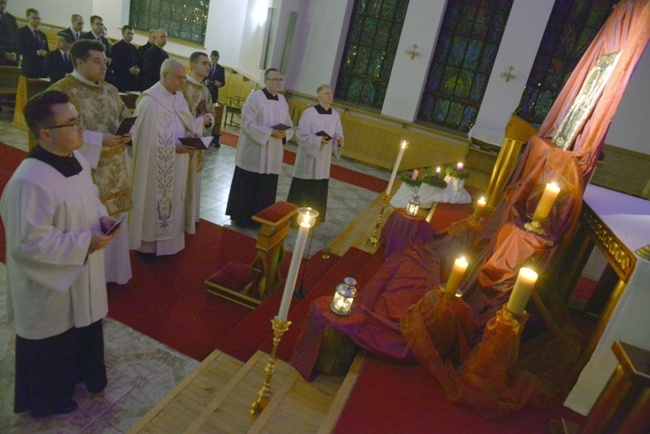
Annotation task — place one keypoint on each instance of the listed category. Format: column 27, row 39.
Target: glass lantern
column 413, row 206
column 344, row 296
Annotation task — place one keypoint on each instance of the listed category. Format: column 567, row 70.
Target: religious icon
column 585, row 101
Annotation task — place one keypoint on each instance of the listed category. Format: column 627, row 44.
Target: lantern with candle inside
column 544, row 206
column 456, row 276
column 521, row 291
column 344, row 296
column 413, row 206
column 480, row 205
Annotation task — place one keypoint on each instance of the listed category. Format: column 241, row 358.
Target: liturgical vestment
column 101, row 110
column 199, row 102
column 160, row 174
column 48, row 220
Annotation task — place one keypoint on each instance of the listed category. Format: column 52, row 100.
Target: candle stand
column 535, row 226
column 264, row 395
column 374, row 238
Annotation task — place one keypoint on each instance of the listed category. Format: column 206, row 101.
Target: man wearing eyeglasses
column 56, row 293
column 101, row 111
column 266, row 127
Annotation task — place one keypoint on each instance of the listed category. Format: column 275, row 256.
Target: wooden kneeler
column 251, row 284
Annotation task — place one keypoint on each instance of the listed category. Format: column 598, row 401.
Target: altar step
column 217, row 397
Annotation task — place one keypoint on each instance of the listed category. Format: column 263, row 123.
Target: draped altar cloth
column 395, row 311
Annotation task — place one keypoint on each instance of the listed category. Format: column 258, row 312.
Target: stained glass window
column 370, row 47
column 185, row 20
column 467, row 45
column 571, row 28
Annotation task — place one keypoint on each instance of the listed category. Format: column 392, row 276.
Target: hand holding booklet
column 281, row 127
column 125, row 126
column 322, row 133
column 116, row 224
column 198, row 143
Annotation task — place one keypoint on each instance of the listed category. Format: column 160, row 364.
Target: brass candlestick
column 264, row 395
column 374, row 238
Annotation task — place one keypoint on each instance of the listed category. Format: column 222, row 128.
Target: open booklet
column 198, row 143
column 322, row 133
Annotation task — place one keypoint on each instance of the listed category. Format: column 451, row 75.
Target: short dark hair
column 95, row 18
column 126, row 27
column 38, row 110
column 81, row 49
column 194, row 57
column 30, row 11
column 268, row 71
column 66, row 36
column 214, row 53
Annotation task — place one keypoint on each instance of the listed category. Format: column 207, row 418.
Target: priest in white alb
column 101, row 110
column 161, row 164
column 266, row 128
column 55, row 226
column 200, row 104
column 319, row 135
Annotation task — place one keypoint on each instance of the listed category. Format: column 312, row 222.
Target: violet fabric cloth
column 402, row 230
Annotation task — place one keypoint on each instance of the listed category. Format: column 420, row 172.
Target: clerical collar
column 66, row 166
column 170, row 96
column 193, row 80
column 321, row 111
column 269, row 96
column 83, row 79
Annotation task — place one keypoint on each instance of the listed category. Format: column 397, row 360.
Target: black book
column 281, row 127
column 198, row 143
column 114, row 227
column 322, row 133
column 125, row 126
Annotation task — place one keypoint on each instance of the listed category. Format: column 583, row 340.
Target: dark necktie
column 66, row 60
column 76, row 36
column 37, row 41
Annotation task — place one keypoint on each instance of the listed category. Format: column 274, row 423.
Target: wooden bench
column 9, row 76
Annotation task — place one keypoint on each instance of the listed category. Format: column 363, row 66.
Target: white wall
column 318, row 44
column 225, row 29
column 409, row 76
column 53, row 12
column 630, row 121
column 523, row 33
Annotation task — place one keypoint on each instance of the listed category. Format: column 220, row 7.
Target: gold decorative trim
column 617, row 254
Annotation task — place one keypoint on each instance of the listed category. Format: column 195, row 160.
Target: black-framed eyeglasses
column 75, row 123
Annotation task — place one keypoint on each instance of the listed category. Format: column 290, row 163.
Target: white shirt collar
column 82, row 79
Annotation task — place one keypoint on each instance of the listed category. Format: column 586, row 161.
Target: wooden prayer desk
column 618, row 224
column 249, row 285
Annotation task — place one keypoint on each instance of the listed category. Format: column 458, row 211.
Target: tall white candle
column 521, row 291
column 457, row 273
column 459, row 166
column 402, row 146
column 294, row 267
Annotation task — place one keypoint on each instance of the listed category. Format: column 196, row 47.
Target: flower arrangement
column 433, row 178
column 455, row 173
column 407, row 178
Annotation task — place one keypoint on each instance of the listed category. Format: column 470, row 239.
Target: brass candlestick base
column 535, row 226
column 264, row 395
column 374, row 238
column 458, row 293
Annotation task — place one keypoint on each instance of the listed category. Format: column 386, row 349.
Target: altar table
column 619, row 225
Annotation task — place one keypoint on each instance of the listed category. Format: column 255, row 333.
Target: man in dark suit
column 76, row 27
column 217, row 76
column 125, row 62
column 58, row 63
column 143, row 49
column 153, row 60
column 32, row 45
column 97, row 32
column 8, row 32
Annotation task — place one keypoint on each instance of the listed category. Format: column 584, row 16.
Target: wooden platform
column 217, row 396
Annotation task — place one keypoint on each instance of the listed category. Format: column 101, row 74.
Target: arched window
column 370, row 47
column 571, row 28
column 185, row 20
column 467, row 45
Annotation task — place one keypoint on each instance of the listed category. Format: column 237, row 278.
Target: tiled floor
column 142, row 371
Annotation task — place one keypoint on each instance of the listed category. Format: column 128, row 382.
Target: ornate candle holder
column 264, row 395
column 374, row 238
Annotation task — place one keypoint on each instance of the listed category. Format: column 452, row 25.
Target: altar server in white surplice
column 160, row 165
column 319, row 135
column 56, row 289
column 259, row 150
